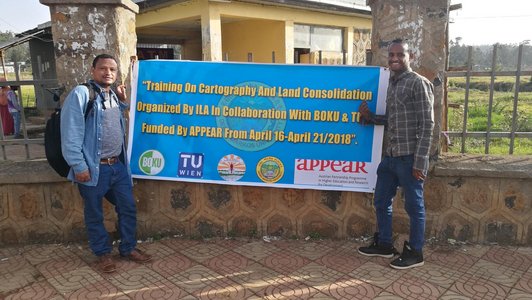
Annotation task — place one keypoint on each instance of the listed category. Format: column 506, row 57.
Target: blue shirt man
column 94, row 147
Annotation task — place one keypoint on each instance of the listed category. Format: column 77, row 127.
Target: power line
column 492, row 17
column 9, row 24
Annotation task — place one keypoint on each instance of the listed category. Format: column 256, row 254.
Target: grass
column 28, row 96
column 501, row 117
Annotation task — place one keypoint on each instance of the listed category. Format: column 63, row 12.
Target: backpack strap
column 92, row 97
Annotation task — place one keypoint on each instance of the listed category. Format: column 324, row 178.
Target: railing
column 489, row 134
column 19, row 149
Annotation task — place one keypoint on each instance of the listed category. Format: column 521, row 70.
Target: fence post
column 516, row 96
column 22, row 115
column 466, row 99
column 490, row 103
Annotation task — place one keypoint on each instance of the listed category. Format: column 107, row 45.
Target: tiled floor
column 256, row 269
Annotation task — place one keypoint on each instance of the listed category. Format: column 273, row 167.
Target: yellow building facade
column 253, row 30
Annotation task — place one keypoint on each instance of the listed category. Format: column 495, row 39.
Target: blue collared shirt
column 81, row 136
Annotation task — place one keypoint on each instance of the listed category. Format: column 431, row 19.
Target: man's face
column 398, row 58
column 105, row 71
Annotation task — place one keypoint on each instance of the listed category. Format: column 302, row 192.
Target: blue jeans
column 16, row 122
column 392, row 173
column 114, row 184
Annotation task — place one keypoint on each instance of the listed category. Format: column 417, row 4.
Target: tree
column 20, row 53
column 483, row 55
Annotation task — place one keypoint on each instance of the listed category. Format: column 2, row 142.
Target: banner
column 291, row 126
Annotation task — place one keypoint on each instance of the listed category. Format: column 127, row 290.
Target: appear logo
column 151, row 162
column 190, row 165
column 331, row 166
column 231, row 167
column 270, row 169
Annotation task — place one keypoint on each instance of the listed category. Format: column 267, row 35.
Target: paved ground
column 257, row 269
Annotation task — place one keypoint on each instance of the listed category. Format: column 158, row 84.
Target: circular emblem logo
column 272, row 103
column 270, row 169
column 151, row 162
column 231, row 167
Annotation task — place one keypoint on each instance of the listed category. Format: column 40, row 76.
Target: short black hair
column 102, row 56
column 403, row 42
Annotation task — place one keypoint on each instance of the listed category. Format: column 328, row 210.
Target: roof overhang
column 19, row 40
column 23, row 37
column 147, row 5
column 311, row 5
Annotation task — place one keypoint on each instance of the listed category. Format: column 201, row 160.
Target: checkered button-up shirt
column 409, row 117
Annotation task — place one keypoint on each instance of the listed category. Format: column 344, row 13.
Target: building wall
column 168, row 21
column 259, row 37
column 468, row 199
column 43, row 67
column 191, row 49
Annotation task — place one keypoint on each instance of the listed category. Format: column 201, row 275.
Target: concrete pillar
column 82, row 29
column 289, row 42
column 423, row 23
column 211, row 32
column 348, row 45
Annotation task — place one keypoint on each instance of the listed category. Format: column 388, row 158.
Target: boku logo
column 190, row 165
column 151, row 162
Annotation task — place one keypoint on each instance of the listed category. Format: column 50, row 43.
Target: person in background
column 409, row 122
column 93, row 144
column 14, row 108
column 5, row 116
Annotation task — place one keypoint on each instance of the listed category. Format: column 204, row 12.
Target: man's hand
column 365, row 114
column 83, row 176
column 121, row 92
column 418, row 174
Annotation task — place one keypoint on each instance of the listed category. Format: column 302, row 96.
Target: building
column 255, row 30
column 42, row 61
column 280, row 31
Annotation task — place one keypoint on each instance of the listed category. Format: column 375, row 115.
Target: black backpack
column 52, row 135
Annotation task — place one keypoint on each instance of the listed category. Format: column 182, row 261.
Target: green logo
column 151, row 162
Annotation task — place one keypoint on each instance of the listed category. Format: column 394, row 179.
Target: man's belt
column 109, row 160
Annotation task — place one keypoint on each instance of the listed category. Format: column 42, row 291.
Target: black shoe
column 410, row 258
column 377, row 249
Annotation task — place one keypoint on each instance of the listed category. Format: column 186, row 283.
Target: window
column 318, row 38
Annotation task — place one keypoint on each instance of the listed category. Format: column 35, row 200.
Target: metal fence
column 31, row 145
column 489, row 134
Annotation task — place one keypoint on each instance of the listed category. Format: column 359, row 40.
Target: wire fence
column 497, row 117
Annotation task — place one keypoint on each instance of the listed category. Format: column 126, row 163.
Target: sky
column 479, row 22
column 489, row 21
